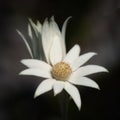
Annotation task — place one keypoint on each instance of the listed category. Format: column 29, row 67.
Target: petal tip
column 94, row 53
column 21, row 73
column 77, row 47
column 98, row 87
column 105, row 70
column 35, row 96
column 52, row 18
column 29, row 19
column 79, row 108
column 22, row 61
column 55, row 94
column 69, row 17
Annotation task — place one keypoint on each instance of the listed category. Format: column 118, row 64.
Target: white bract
column 61, row 70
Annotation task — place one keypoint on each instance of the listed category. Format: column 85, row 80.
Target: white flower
column 60, row 70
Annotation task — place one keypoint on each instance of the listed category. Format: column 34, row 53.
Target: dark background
column 95, row 26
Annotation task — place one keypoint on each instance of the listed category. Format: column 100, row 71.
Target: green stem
column 64, row 101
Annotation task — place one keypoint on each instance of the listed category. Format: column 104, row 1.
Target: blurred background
column 95, row 26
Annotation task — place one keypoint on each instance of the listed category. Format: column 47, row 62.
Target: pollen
column 61, row 71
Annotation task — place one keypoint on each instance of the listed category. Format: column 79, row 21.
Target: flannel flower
column 61, row 70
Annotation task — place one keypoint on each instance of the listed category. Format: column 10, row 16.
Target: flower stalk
column 64, row 99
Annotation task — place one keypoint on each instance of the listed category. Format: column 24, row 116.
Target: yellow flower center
column 61, row 71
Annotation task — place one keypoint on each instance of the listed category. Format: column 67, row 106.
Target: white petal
column 46, row 39
column 63, row 35
column 30, row 31
column 58, row 87
column 84, row 81
column 26, row 43
column 44, row 87
column 64, row 27
column 51, row 38
column 56, row 51
column 72, row 54
column 36, row 72
column 87, row 70
column 34, row 63
column 81, row 60
column 39, row 26
column 74, row 93
column 54, row 27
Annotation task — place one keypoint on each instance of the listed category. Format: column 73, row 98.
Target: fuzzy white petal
column 58, row 87
column 56, row 51
column 26, row 43
column 44, row 87
column 63, row 35
column 72, row 54
column 39, row 26
column 36, row 72
column 74, row 93
column 87, row 70
column 64, row 27
column 81, row 60
column 30, row 31
column 34, row 63
column 34, row 27
column 84, row 81
column 54, row 27
column 46, row 39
